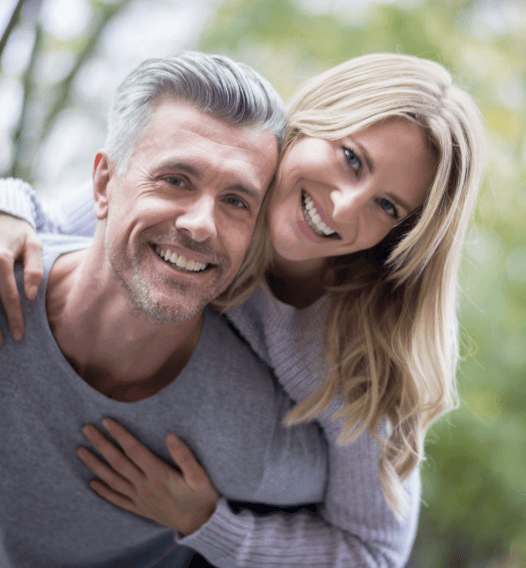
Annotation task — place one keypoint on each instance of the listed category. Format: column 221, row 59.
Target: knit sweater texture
column 354, row 527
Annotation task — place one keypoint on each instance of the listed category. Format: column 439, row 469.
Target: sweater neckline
column 321, row 305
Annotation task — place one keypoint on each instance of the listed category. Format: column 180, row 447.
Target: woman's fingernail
column 173, row 440
column 17, row 334
column 32, row 291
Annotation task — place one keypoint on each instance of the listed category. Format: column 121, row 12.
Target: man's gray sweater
column 225, row 404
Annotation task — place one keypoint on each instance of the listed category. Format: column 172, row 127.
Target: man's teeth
column 313, row 218
column 179, row 260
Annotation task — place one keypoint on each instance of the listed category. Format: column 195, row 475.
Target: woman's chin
column 286, row 254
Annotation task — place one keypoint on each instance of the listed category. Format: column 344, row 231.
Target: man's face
column 179, row 221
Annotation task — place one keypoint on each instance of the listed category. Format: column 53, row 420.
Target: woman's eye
column 389, row 207
column 236, row 202
column 353, row 160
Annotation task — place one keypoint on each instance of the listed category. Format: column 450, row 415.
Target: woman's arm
column 301, row 539
column 133, row 478
column 23, row 212
column 354, row 528
column 72, row 215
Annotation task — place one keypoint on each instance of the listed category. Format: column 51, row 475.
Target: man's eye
column 176, row 181
column 236, row 202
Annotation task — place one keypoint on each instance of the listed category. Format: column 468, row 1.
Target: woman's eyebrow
column 365, row 155
column 399, row 201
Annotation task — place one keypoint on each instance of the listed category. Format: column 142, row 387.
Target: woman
column 375, row 187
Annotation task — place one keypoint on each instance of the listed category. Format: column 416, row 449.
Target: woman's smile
column 315, row 216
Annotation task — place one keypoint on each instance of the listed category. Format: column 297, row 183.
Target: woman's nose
column 198, row 219
column 347, row 205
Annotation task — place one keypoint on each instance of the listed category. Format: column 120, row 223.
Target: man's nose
column 198, row 219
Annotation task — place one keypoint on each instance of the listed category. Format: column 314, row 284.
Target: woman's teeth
column 180, row 261
column 313, row 218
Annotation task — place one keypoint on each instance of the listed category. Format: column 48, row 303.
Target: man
column 120, row 327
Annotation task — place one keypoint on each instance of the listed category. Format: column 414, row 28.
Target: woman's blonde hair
column 391, row 337
column 253, row 268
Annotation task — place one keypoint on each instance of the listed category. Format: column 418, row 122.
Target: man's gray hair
column 212, row 83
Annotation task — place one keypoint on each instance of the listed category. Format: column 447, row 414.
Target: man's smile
column 179, row 261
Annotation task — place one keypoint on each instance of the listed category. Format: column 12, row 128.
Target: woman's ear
column 104, row 178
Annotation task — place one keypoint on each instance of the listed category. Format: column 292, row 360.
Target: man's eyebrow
column 252, row 194
column 180, row 165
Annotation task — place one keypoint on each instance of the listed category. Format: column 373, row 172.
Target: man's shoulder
column 55, row 245
column 226, row 332
column 234, row 364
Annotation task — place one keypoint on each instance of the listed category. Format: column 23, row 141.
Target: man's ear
column 104, row 183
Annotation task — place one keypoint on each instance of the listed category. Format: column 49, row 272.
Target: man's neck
column 118, row 349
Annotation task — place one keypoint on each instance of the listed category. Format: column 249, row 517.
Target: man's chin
column 169, row 298
column 174, row 316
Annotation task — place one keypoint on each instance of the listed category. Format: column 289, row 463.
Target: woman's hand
column 18, row 242
column 137, row 480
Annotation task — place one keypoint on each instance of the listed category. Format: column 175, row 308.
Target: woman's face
column 335, row 197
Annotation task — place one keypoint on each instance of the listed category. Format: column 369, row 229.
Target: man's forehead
column 173, row 114
column 194, row 140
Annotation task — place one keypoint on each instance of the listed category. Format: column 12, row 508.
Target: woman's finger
column 112, row 496
column 194, row 475
column 113, row 455
column 138, row 453
column 9, row 295
column 33, row 271
column 110, row 477
column 18, row 242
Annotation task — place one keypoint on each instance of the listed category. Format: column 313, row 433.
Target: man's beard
column 139, row 288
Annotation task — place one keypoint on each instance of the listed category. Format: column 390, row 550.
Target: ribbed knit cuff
column 221, row 535
column 16, row 198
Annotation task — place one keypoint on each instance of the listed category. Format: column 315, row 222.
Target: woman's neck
column 297, row 283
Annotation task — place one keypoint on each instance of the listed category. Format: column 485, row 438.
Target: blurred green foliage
column 475, row 497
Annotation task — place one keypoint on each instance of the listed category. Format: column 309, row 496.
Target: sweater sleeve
column 354, row 528
column 303, row 538
column 72, row 215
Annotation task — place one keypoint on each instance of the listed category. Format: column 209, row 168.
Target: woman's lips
column 315, row 217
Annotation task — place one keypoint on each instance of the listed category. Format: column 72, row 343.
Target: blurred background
column 60, row 61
